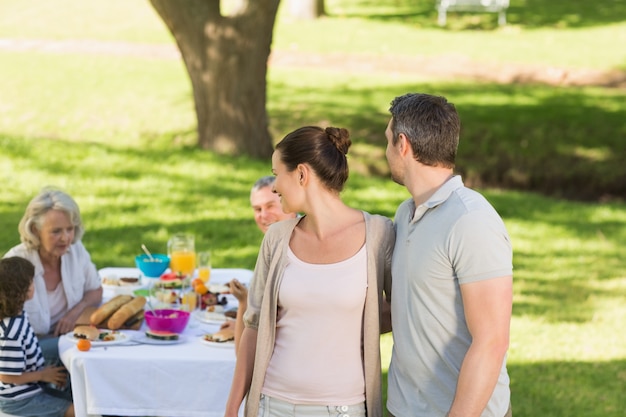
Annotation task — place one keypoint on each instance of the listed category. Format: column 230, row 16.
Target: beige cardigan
column 263, row 296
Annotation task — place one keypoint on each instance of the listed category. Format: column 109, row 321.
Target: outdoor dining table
column 190, row 378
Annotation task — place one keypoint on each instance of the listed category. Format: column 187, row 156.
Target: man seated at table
column 267, row 211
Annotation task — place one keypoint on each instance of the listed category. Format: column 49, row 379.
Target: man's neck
column 426, row 181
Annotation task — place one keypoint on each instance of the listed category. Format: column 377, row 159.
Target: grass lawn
column 117, row 132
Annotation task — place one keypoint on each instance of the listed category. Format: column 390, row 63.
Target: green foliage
column 117, row 131
column 570, row 287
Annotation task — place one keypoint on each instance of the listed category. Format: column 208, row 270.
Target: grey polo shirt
column 456, row 237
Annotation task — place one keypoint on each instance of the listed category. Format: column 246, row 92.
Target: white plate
column 119, row 338
column 114, row 274
column 229, row 344
column 211, row 318
column 142, row 338
column 219, row 288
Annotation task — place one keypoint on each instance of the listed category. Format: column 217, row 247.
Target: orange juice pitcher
column 182, row 251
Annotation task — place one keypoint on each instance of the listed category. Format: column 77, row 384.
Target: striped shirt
column 19, row 353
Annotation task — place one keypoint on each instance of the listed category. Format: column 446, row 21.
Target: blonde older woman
column 66, row 281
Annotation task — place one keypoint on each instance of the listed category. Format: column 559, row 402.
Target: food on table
column 223, row 335
column 134, row 319
column 107, row 309
column 113, row 281
column 128, row 281
column 86, row 332
column 94, row 334
column 200, row 288
column 161, row 335
column 211, row 299
column 220, row 289
column 169, row 276
column 215, row 309
column 83, row 345
column 118, row 282
column 168, row 297
column 125, row 312
column 172, row 280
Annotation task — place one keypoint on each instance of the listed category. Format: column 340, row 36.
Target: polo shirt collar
column 439, row 197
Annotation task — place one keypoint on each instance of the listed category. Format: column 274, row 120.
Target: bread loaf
column 125, row 312
column 107, row 309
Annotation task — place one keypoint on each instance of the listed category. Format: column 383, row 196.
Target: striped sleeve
column 19, row 353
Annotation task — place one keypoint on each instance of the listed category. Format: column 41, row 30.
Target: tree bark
column 226, row 59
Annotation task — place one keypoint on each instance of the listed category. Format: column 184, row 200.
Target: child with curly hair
column 22, row 370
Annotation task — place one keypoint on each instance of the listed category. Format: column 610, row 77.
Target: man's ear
column 404, row 146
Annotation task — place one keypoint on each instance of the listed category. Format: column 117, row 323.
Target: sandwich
column 161, row 335
column 223, row 335
column 86, row 332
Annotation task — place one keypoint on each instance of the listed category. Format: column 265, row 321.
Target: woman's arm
column 68, row 321
column 241, row 294
column 243, row 372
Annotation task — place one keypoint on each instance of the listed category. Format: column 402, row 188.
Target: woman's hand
column 67, row 322
column 238, row 290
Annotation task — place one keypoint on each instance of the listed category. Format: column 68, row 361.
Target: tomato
column 169, row 276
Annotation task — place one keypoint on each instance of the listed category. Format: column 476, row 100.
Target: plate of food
column 114, row 281
column 212, row 315
column 222, row 338
column 172, row 281
column 120, row 280
column 219, row 288
column 97, row 337
column 153, row 337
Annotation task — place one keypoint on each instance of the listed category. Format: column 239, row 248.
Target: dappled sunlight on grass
column 118, row 133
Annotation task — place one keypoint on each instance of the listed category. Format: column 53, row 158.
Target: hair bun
column 340, row 137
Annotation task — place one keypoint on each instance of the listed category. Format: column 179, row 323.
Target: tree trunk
column 226, row 58
column 306, row 9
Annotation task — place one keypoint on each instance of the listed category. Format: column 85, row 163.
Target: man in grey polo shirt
column 452, row 272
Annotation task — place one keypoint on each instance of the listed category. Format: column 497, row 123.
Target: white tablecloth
column 189, row 379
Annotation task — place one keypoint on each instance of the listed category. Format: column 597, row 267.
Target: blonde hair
column 48, row 199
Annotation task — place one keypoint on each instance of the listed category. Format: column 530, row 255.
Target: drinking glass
column 204, row 266
column 189, row 301
column 182, row 252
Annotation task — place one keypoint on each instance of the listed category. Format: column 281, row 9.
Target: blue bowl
column 154, row 268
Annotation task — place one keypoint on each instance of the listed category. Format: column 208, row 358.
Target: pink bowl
column 167, row 320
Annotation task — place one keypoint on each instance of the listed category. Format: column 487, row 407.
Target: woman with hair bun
column 311, row 342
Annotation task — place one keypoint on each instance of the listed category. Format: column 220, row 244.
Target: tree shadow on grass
column 155, row 200
column 532, row 14
column 566, row 143
column 573, row 389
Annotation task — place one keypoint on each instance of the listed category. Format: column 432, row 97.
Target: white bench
column 492, row 6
